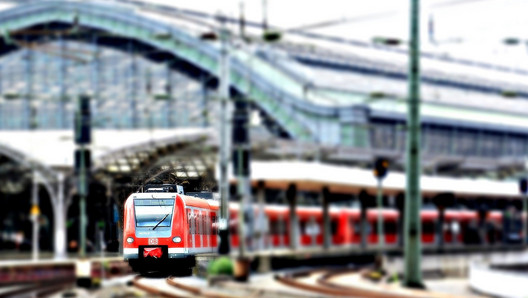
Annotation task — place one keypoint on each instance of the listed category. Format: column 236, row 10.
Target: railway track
column 176, row 287
column 40, row 289
column 350, row 283
column 306, row 284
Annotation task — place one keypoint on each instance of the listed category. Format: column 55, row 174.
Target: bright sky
column 462, row 27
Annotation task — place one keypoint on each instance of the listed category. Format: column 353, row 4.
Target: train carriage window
column 278, row 227
column 334, row 225
column 312, row 227
column 189, row 220
column 207, row 225
column 390, row 227
column 213, row 219
column 191, row 225
column 428, row 227
column 196, row 224
column 202, row 225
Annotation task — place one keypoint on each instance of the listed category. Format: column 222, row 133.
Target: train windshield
column 153, row 212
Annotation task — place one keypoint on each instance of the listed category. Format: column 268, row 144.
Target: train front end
column 153, row 234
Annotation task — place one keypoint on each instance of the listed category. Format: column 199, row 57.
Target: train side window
column 390, row 227
column 428, row 227
column 333, row 226
column 303, row 227
column 189, row 219
column 202, row 224
column 207, row 225
column 213, row 219
column 196, row 223
column 191, row 215
column 278, row 227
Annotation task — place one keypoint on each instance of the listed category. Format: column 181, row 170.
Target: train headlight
column 176, row 239
column 130, row 239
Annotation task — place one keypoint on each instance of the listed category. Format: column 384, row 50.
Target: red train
column 165, row 230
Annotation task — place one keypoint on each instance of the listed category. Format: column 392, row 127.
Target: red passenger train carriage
column 164, row 231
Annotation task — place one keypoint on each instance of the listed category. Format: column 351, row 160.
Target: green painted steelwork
column 413, row 200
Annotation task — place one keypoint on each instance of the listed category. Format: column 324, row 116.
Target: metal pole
column 525, row 221
column 82, row 205
column 169, row 108
column 412, row 250
column 35, row 216
column 379, row 200
column 62, row 84
column 225, row 129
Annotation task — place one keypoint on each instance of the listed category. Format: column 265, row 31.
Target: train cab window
column 153, row 212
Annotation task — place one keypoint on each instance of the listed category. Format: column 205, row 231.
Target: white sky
column 473, row 28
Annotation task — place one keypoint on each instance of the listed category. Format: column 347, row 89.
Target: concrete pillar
column 291, row 196
column 327, row 231
column 35, row 213
column 59, row 210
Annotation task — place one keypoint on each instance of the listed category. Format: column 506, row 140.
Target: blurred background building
column 331, row 90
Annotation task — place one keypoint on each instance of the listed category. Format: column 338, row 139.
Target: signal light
column 381, row 167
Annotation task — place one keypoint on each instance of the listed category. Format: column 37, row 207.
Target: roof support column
column 59, row 219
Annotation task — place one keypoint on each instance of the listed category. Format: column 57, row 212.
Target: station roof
column 55, row 148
